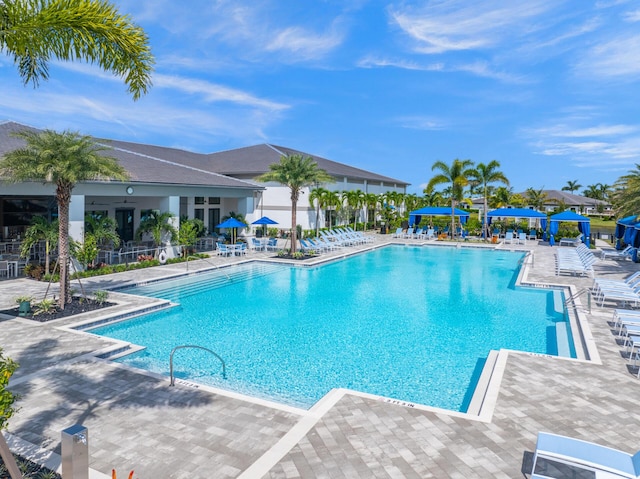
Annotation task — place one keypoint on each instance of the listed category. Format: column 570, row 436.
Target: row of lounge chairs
column 627, row 326
column 418, row 233
column 576, row 261
column 334, row 239
column 625, row 291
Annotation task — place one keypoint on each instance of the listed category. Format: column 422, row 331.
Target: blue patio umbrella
column 232, row 224
column 264, row 221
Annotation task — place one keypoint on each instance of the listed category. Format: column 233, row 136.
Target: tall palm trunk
column 294, row 221
column 63, row 196
column 485, row 225
column 453, row 218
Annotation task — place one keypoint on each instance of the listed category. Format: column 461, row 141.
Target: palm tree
column 354, row 200
column 626, row 196
column 332, row 202
column 501, row 197
column 432, row 197
column 159, row 225
column 40, row 230
column 103, row 229
column 537, row 198
column 457, row 175
column 484, row 175
column 572, row 186
column 296, row 172
column 371, row 201
column 63, row 159
column 34, row 32
column 318, row 199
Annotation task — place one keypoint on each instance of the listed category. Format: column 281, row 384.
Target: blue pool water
column 409, row 323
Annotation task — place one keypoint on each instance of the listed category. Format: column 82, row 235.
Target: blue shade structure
column 232, row 224
column 264, row 221
column 416, row 216
column 625, row 230
column 584, row 223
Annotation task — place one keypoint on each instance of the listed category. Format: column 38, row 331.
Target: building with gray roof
column 204, row 186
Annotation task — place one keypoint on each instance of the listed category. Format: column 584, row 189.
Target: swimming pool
column 410, row 323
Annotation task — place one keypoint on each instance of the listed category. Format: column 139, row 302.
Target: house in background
column 556, row 198
column 196, row 185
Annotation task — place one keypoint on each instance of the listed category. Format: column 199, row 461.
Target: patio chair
column 508, row 238
column 397, row 234
column 626, row 253
column 532, row 235
column 522, row 238
column 222, row 249
column 560, row 456
column 272, row 244
column 4, row 268
column 571, row 241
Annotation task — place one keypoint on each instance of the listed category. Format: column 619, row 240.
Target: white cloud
column 632, row 16
column 478, row 68
column 600, row 145
column 210, row 92
column 616, row 57
column 301, row 44
column 451, row 25
column 214, row 93
column 372, row 61
column 420, row 123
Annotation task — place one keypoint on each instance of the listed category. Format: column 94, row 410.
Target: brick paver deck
column 136, row 421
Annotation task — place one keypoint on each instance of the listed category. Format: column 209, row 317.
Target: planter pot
column 24, row 308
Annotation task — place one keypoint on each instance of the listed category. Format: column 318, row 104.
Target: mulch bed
column 78, row 305
column 288, row 256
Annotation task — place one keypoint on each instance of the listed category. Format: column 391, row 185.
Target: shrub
column 45, row 306
column 34, row 271
column 101, row 296
column 7, row 398
column 24, row 299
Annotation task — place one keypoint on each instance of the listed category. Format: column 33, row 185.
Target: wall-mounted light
column 129, row 190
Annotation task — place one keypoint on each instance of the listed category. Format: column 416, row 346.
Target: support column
column 172, row 205
column 76, row 218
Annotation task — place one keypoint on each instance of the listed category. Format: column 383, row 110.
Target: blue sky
column 549, row 88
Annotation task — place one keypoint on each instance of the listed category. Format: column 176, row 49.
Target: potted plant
column 24, row 303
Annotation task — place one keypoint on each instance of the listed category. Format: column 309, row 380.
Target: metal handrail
column 578, row 293
column 216, row 266
column 224, row 366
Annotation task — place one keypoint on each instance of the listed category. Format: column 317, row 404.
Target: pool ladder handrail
column 578, row 293
column 224, row 366
column 216, row 266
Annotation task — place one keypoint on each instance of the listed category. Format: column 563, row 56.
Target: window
column 144, row 214
column 214, row 200
column 199, row 200
column 198, row 214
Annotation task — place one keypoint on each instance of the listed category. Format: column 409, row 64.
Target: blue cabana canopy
column 584, row 224
column 515, row 213
column 416, row 216
column 625, row 229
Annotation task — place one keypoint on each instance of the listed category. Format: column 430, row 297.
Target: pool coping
column 484, row 397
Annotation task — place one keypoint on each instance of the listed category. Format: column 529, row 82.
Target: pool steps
column 218, row 279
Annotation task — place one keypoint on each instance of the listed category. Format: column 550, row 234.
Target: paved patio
column 136, row 421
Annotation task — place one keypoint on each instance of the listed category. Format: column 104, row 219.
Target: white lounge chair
column 397, row 234
column 571, row 241
column 617, row 254
column 561, row 456
column 508, row 237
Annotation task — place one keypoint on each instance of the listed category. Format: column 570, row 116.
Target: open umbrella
column 232, row 223
column 264, row 221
